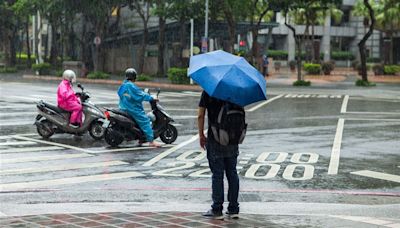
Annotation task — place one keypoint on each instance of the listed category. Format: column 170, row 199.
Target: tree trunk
column 361, row 44
column 54, row 45
column 182, row 40
column 142, row 50
column 28, row 45
column 231, row 24
column 161, row 46
column 298, row 43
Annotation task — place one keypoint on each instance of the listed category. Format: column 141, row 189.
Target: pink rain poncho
column 68, row 101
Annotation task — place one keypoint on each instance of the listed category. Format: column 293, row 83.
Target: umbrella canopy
column 228, row 77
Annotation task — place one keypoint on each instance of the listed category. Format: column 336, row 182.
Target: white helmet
column 69, row 75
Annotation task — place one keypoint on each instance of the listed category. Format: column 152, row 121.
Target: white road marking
column 13, row 114
column 376, row 113
column 243, row 162
column 16, row 143
column 264, row 103
column 369, row 220
column 378, row 175
column 181, row 109
column 17, row 123
column 30, row 149
column 50, row 143
column 62, row 167
column 170, row 151
column 43, row 158
column 18, row 106
column 24, row 98
column 126, row 149
column 335, row 155
column 371, row 119
column 184, row 117
column 323, row 96
column 344, row 104
column 68, row 180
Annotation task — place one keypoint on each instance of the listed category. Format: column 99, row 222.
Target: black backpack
column 230, row 128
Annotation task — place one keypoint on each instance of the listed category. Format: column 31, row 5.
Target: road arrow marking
column 378, row 175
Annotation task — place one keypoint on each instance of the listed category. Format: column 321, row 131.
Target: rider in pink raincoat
column 67, row 99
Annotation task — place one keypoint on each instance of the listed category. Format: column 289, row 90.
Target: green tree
column 8, row 31
column 387, row 16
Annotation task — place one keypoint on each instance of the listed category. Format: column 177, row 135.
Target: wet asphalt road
column 325, row 145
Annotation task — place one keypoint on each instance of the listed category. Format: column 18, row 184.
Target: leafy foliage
column 342, row 55
column 301, row 83
column 312, row 68
column 327, row 67
column 42, row 68
column 278, row 54
column 8, row 70
column 391, row 69
column 98, row 75
column 364, row 83
column 178, row 75
column 143, row 78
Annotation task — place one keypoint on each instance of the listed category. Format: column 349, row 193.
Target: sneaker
column 213, row 214
column 232, row 215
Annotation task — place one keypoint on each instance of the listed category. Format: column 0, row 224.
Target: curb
column 166, row 86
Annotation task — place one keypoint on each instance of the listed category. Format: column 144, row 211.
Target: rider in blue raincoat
column 130, row 100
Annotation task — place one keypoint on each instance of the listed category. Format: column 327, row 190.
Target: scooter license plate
column 106, row 123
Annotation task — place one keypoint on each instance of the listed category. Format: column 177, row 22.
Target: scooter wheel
column 44, row 129
column 96, row 130
column 112, row 137
column 169, row 135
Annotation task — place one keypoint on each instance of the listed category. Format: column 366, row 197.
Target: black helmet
column 130, row 74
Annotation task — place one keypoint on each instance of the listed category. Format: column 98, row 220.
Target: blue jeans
column 223, row 159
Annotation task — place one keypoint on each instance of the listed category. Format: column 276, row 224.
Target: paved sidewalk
column 189, row 219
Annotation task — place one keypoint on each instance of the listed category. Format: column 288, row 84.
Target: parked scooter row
column 114, row 125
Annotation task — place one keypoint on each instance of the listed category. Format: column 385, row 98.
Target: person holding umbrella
column 229, row 83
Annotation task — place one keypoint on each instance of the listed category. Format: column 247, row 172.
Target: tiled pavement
column 140, row 219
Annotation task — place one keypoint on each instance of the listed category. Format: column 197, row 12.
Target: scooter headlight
column 151, row 116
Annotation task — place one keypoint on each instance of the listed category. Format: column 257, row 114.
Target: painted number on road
column 269, row 160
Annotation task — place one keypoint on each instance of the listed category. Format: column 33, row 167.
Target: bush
column 373, row 60
column 342, row 55
column 301, row 83
column 42, row 68
column 59, row 73
column 143, row 78
column 378, row 69
column 355, row 64
column 327, row 67
column 178, row 75
column 98, row 75
column 312, row 68
column 292, row 64
column 278, row 54
column 360, row 82
column 8, row 70
column 391, row 69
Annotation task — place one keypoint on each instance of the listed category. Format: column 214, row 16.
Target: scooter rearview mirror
column 80, row 86
column 146, row 90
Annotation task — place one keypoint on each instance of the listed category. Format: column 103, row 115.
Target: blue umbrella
column 228, row 77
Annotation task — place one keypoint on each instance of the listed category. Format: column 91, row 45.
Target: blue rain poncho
column 130, row 100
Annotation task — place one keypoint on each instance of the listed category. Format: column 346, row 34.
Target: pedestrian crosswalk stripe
column 17, row 123
column 69, row 180
column 43, row 158
column 311, row 96
column 14, row 114
column 16, row 143
column 62, row 167
column 30, row 149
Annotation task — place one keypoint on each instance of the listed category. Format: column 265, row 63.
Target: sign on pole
column 97, row 40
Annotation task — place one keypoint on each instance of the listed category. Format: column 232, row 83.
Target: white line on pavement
column 30, row 149
column 68, row 180
column 13, row 114
column 344, row 104
column 370, row 119
column 376, row 113
column 43, row 158
column 62, row 167
column 17, row 123
column 16, row 143
column 335, row 155
column 170, row 151
column 378, row 175
column 50, row 143
column 127, row 149
column 264, row 103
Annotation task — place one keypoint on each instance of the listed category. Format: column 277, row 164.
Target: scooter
column 121, row 126
column 52, row 119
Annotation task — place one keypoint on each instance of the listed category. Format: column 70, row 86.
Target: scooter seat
column 54, row 108
column 122, row 113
